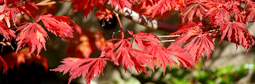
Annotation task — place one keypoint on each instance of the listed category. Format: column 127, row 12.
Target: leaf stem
column 49, row 2
column 167, row 41
column 117, row 15
column 169, row 36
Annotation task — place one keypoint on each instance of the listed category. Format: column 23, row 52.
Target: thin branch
column 6, row 44
column 154, row 24
column 50, row 2
column 167, row 41
column 169, row 36
column 141, row 19
column 117, row 15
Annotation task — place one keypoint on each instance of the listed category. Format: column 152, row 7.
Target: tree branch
column 141, row 19
column 154, row 24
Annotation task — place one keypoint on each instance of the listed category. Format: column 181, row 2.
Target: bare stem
column 169, row 36
column 49, row 2
column 117, row 15
column 5, row 44
column 167, row 41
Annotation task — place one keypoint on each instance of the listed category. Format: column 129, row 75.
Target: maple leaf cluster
column 201, row 21
column 29, row 31
column 226, row 18
column 204, row 20
column 123, row 53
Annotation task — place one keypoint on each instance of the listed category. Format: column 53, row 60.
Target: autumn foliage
column 201, row 21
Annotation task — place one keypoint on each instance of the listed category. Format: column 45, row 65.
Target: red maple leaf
column 218, row 14
column 22, row 6
column 239, row 15
column 9, row 14
column 27, row 7
column 6, row 32
column 234, row 7
column 237, row 33
column 185, row 59
column 184, row 2
column 144, row 39
column 197, row 42
column 69, row 21
column 199, row 45
column 77, row 28
column 59, row 28
column 195, row 9
column 149, row 43
column 251, row 14
column 141, row 58
column 160, row 55
column 163, row 6
column 122, row 3
column 11, row 8
column 33, row 35
column 186, row 27
column 89, row 67
column 104, row 14
column 250, row 3
column 87, row 5
column 109, row 53
column 159, row 8
column 148, row 2
column 127, row 56
column 120, row 45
